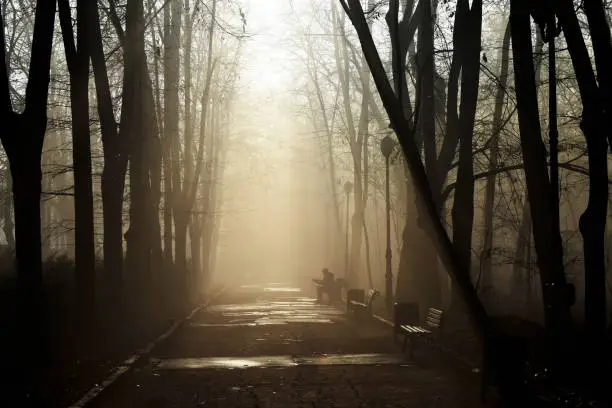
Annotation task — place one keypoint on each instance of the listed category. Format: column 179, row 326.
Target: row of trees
column 480, row 183
column 155, row 109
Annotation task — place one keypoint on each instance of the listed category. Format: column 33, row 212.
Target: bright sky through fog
column 265, row 186
column 267, row 56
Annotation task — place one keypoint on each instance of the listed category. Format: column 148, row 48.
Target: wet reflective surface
column 267, row 310
column 278, row 361
column 227, row 362
column 278, row 348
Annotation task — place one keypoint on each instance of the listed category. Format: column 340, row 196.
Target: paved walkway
column 273, row 346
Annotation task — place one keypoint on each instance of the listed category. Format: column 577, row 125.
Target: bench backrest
column 434, row 319
column 369, row 300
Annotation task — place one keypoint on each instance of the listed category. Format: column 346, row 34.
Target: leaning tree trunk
column 406, row 133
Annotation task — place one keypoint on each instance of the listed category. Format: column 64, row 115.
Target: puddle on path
column 225, row 362
column 282, row 289
column 258, row 307
column 279, row 361
column 351, row 359
column 268, row 321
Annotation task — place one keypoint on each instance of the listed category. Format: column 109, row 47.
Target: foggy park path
column 274, row 346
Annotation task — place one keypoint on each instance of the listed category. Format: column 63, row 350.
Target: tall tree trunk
column 115, row 158
column 195, row 240
column 520, row 259
column 406, row 133
column 194, row 230
column 463, row 203
column 133, row 128
column 167, row 143
column 171, row 127
column 77, row 57
column 522, row 253
column 7, row 211
column 213, row 218
column 190, row 190
column 22, row 140
column 154, row 161
column 427, row 130
column 329, row 150
column 602, row 49
column 356, row 136
column 487, row 257
column 22, row 137
column 593, row 220
column 546, row 234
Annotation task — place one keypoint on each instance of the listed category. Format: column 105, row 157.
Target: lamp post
column 387, row 144
column 348, row 188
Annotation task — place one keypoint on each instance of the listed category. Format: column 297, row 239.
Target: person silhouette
column 326, row 285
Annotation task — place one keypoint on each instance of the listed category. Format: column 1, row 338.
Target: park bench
column 333, row 291
column 432, row 328
column 359, row 304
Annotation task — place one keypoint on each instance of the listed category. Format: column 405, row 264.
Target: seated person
column 326, row 285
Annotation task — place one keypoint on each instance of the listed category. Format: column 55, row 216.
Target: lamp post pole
column 387, row 145
column 348, row 187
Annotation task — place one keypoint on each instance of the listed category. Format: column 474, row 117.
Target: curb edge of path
column 118, row 371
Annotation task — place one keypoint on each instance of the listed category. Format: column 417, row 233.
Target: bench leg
column 405, row 344
column 411, row 352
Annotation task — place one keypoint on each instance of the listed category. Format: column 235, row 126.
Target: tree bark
column 115, row 159
column 546, row 233
column 406, row 135
column 133, row 129
column 22, row 137
column 593, row 221
column 486, row 279
column 77, row 57
column 463, row 203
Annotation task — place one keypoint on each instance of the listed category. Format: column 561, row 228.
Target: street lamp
column 387, row 145
column 348, row 188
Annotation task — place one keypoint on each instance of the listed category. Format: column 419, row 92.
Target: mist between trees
column 154, row 145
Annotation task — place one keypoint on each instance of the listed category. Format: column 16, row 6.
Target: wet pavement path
column 273, row 346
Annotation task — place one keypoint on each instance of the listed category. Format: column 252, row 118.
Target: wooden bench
column 431, row 329
column 334, row 291
column 359, row 304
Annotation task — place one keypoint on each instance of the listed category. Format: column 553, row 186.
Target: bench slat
column 433, row 323
column 415, row 329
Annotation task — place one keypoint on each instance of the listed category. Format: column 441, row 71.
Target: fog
column 275, row 191
column 179, row 178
